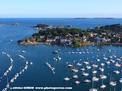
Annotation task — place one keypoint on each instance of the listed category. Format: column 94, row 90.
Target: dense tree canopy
column 62, row 32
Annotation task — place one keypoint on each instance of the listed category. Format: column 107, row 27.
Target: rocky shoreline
column 75, row 37
column 82, row 44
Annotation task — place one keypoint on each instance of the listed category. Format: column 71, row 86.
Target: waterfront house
column 57, row 37
column 50, row 40
column 97, row 28
column 60, row 26
column 49, row 26
column 55, row 26
column 65, row 41
column 42, row 36
column 76, row 35
column 69, row 26
column 84, row 39
column 98, row 39
column 31, row 40
column 103, row 33
column 38, row 28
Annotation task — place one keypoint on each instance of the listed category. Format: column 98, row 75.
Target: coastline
column 74, row 37
column 33, row 43
column 82, row 44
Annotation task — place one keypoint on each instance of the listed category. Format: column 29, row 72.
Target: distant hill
column 95, row 18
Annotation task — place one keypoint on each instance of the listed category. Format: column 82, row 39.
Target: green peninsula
column 74, row 37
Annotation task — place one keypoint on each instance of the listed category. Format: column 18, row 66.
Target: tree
column 120, row 40
column 76, row 43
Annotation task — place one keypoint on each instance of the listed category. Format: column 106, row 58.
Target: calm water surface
column 39, row 74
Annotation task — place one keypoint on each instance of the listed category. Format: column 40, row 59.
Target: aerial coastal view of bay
column 54, row 45
column 73, row 67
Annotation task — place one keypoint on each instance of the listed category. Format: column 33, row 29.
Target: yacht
column 31, row 63
column 120, row 80
column 102, row 64
column 93, row 89
column 77, row 82
column 95, row 79
column 103, row 86
column 87, row 81
column 118, row 65
column 112, row 61
column 101, row 69
column 85, row 74
column 88, row 67
column 108, row 62
column 79, row 64
column 112, row 83
column 94, row 65
column 74, row 70
column 103, row 77
column 94, row 72
column 105, row 58
column 86, row 63
column 70, row 65
column 66, row 79
column 75, row 76
column 98, row 60
column 82, row 69
column 116, row 72
column 23, row 51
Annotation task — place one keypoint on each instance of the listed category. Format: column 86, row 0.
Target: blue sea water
column 39, row 74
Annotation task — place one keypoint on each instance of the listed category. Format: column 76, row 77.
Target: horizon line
column 67, row 17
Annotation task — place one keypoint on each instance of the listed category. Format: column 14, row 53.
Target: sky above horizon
column 60, row 8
